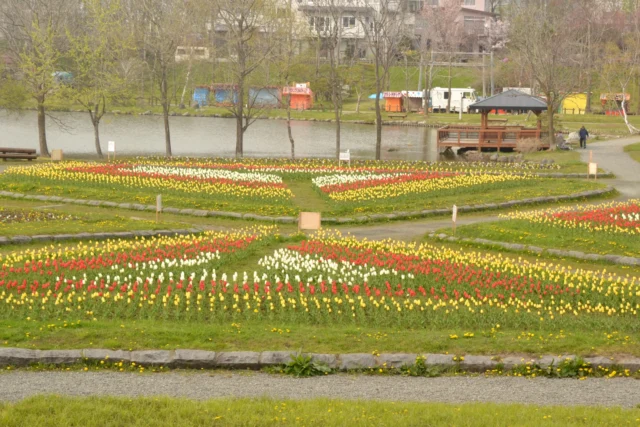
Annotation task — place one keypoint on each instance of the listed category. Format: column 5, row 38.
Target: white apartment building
column 353, row 15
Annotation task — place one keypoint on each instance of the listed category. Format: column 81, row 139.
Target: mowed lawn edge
column 275, row 335
column 160, row 411
column 525, row 233
column 472, row 195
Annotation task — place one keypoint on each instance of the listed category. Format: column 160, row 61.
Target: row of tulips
column 611, row 217
column 328, row 278
column 182, row 180
column 345, row 188
column 314, row 166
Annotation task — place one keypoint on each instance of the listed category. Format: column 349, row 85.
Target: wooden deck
column 493, row 137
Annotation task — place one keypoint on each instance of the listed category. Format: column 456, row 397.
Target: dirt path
column 207, row 385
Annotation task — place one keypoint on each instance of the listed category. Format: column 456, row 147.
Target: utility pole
column 491, row 72
column 484, row 75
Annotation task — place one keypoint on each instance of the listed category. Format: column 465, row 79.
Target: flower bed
column 322, row 280
column 616, row 218
column 264, row 186
column 11, row 216
column 362, row 187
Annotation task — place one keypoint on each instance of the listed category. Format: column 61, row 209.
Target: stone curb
column 334, row 221
column 202, row 359
column 95, row 236
column 614, row 259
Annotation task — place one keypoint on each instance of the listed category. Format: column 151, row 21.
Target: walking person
column 584, row 134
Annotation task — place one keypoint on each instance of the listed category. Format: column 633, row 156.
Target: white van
column 440, row 98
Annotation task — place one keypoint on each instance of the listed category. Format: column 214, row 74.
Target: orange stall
column 393, row 101
column 300, row 96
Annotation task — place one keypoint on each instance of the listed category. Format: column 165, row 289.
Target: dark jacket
column 583, row 133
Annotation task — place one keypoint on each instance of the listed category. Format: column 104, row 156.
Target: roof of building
column 511, row 100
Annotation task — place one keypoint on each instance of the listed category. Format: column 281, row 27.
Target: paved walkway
column 610, row 155
column 206, row 385
column 410, row 230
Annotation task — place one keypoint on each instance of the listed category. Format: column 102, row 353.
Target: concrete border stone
column 238, row 360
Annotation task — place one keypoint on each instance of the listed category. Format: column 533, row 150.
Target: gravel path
column 205, row 385
column 610, row 155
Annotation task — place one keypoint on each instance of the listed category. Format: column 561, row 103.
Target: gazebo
column 496, row 136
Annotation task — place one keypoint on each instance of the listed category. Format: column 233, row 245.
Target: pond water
column 203, row 136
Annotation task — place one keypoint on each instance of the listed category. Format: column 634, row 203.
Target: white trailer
column 440, row 98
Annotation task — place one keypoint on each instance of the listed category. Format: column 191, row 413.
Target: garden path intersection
column 623, row 392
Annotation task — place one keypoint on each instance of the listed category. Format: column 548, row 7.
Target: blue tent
column 373, row 96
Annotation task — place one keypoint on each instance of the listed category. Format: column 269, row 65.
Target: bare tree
column 97, row 52
column 327, row 29
column 541, row 35
column 383, row 26
column 595, row 16
column 250, row 28
column 164, row 29
column 445, row 34
column 33, row 32
column 622, row 63
column 286, row 58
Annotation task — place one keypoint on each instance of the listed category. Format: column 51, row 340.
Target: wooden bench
column 18, row 153
column 397, row 116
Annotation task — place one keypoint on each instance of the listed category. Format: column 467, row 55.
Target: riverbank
column 597, row 124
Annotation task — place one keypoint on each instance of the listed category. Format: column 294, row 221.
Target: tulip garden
column 326, row 280
column 608, row 228
column 264, row 187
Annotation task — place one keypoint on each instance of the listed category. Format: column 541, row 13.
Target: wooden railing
column 497, row 137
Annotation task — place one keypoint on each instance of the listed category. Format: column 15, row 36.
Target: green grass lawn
column 89, row 222
column 306, row 198
column 263, row 335
column 44, row 411
column 634, row 151
column 526, row 233
column 122, row 194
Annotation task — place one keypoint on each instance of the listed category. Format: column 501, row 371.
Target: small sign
column 159, row 203
column 593, row 169
column 345, row 157
column 309, row 221
column 56, row 155
column 111, row 146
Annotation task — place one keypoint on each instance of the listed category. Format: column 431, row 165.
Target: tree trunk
column 588, row 107
column 550, row 112
column 239, row 116
column 638, row 105
column 165, row 112
column 337, row 116
column 96, row 135
column 358, row 103
column 42, row 131
column 450, row 78
column 291, row 140
column 186, row 83
column 378, row 113
column 335, row 97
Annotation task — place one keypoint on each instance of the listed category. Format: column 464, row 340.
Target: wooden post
column 454, row 218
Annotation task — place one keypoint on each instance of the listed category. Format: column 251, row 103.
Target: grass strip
column 99, row 411
column 634, row 151
column 526, row 233
column 271, row 334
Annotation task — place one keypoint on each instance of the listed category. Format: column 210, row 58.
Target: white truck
column 439, row 98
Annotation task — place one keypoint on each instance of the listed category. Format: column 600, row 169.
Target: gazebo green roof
column 511, row 100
